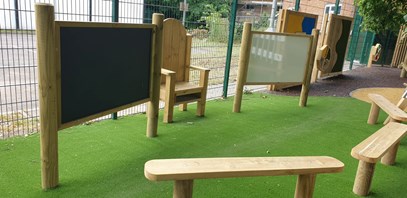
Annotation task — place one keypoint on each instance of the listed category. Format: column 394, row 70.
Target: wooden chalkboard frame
column 49, row 89
column 63, row 24
column 287, row 35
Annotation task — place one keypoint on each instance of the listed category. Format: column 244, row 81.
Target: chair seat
column 184, row 92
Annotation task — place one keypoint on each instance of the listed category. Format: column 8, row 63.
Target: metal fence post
column 297, row 5
column 115, row 18
column 355, row 38
column 336, row 11
column 16, row 14
column 230, row 48
column 90, row 10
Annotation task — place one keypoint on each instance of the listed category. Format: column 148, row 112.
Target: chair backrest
column 177, row 49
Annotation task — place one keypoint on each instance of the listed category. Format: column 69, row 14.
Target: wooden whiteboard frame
column 61, row 24
column 287, row 35
column 244, row 63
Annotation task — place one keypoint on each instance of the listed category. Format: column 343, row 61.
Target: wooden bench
column 184, row 171
column 379, row 102
column 382, row 144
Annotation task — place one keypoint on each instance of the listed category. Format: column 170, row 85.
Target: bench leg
column 363, row 179
column 183, row 188
column 305, row 186
column 374, row 114
column 390, row 157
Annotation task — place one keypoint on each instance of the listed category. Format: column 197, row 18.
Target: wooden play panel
column 392, row 94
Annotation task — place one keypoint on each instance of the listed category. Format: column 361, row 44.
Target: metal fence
column 18, row 71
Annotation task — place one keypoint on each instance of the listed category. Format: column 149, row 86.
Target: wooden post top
column 376, row 145
column 203, row 168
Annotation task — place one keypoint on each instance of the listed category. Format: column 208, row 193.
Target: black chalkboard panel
column 103, row 68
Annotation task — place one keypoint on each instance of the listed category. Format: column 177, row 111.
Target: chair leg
column 169, row 98
column 200, row 111
column 183, row 107
column 363, row 179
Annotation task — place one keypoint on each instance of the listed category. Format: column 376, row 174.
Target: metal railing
column 18, row 69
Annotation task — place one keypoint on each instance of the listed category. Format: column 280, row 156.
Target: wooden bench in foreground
column 382, row 144
column 379, row 102
column 184, row 171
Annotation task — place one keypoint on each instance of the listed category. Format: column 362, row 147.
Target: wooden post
column 169, row 97
column 203, row 82
column 308, row 71
column 183, row 188
column 371, row 55
column 390, row 157
column 47, row 83
column 243, row 66
column 374, row 114
column 153, row 105
column 363, row 179
column 305, row 186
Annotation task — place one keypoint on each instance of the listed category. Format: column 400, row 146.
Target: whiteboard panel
column 277, row 57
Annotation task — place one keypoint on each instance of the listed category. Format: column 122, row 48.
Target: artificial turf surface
column 106, row 159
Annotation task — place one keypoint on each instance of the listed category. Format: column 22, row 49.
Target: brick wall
column 317, row 7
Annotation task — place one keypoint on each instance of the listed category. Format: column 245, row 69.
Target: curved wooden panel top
column 174, row 44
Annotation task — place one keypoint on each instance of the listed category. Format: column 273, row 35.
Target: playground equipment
column 87, row 70
column 176, row 87
column 383, row 145
column 374, row 55
column 184, row 171
column 267, row 57
column 335, row 34
column 294, row 22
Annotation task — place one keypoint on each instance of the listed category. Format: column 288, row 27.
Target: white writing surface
column 278, row 58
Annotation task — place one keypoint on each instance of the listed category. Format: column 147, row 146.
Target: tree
column 382, row 15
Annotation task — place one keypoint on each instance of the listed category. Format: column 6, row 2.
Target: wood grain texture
column 308, row 72
column 47, row 85
column 305, row 186
column 375, row 146
column 153, row 105
column 243, row 66
column 183, row 189
column 203, row 168
column 392, row 110
column 363, row 179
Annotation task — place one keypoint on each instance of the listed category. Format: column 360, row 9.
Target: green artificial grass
column 106, row 159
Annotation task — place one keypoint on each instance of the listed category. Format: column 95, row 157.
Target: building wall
column 318, row 7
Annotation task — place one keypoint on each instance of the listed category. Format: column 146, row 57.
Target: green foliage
column 263, row 23
column 218, row 27
column 381, row 15
column 197, row 8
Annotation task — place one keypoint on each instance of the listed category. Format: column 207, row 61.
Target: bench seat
column 383, row 145
column 184, row 171
column 380, row 102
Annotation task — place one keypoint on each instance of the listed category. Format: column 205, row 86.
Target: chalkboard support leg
column 153, row 105
column 47, row 83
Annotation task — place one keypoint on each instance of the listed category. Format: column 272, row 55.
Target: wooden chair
column 176, row 89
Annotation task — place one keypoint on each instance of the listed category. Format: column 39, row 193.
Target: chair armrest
column 167, row 72
column 199, row 68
